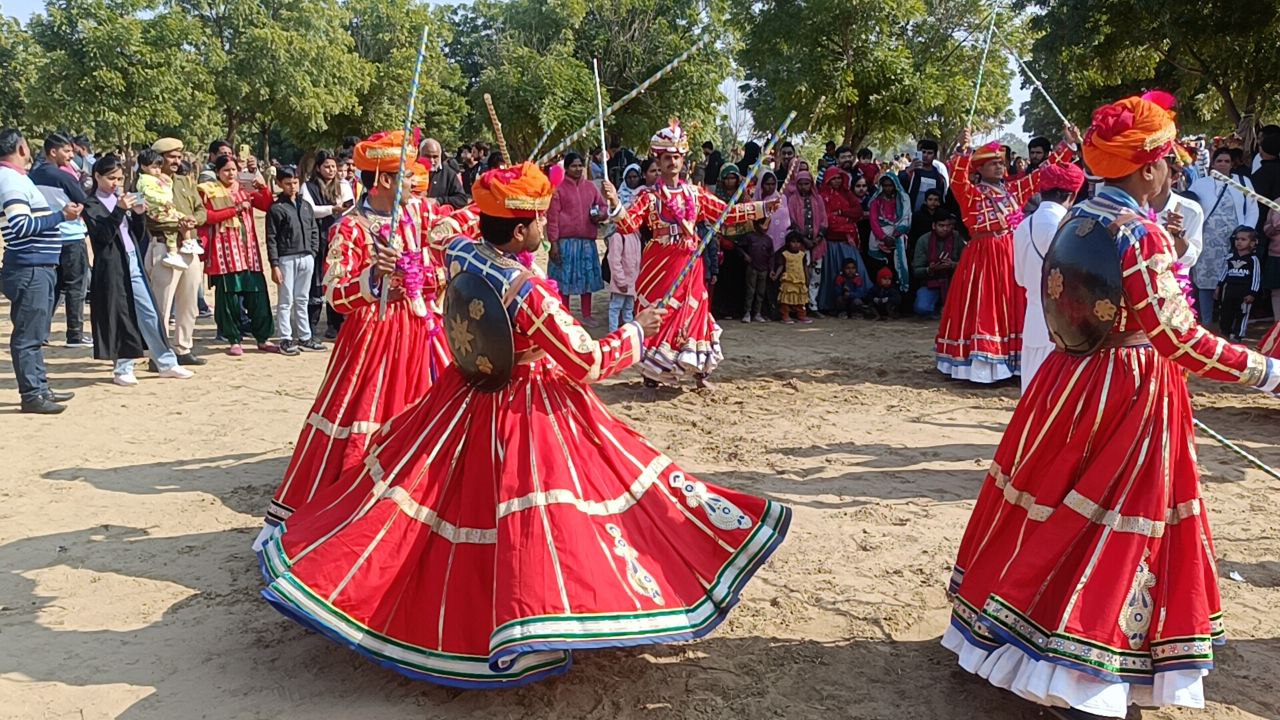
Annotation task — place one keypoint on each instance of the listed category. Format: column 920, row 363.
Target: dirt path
column 127, row 588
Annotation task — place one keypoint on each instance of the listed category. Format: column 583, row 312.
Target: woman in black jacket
column 126, row 325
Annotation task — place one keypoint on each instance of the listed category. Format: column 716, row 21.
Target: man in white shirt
column 1188, row 236
column 1059, row 184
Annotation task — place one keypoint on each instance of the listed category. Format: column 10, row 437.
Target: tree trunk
column 1223, row 89
column 233, row 124
column 847, row 134
column 266, row 145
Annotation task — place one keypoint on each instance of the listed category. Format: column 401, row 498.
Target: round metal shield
column 1082, row 285
column 479, row 332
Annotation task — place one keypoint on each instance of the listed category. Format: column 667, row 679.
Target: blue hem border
column 310, row 622
column 780, row 534
column 1007, row 638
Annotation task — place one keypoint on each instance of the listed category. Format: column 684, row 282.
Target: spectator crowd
column 141, row 239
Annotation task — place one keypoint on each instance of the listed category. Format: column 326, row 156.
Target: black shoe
column 330, row 333
column 84, row 341
column 288, row 347
column 152, row 366
column 59, row 397
column 312, row 345
column 42, row 406
column 190, row 359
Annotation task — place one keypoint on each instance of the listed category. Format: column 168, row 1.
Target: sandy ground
column 127, row 588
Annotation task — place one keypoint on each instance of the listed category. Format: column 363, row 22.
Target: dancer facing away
column 980, row 335
column 688, row 343
column 1086, row 577
column 508, row 518
column 379, row 366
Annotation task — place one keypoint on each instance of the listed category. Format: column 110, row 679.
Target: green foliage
column 277, row 62
column 106, row 70
column 534, row 58
column 1218, row 57
column 888, row 70
column 22, row 63
column 386, row 35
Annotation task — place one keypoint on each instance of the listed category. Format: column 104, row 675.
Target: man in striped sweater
column 32, row 247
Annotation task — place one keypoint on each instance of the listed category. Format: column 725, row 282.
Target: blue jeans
column 1204, row 305
column 621, row 310
column 293, row 295
column 144, row 311
column 30, row 292
column 928, row 301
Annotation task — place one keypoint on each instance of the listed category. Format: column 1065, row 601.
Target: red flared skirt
column 377, row 369
column 488, row 535
column 980, row 335
column 688, row 343
column 1089, row 546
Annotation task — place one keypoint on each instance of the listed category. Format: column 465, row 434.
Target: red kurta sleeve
column 1161, row 310
column 348, row 269
column 710, row 207
column 439, row 232
column 213, row 217
column 262, row 199
column 962, row 186
column 632, row 218
column 544, row 320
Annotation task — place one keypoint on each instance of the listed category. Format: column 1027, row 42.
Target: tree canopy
column 888, row 70
column 307, row 73
column 1217, row 56
column 534, row 58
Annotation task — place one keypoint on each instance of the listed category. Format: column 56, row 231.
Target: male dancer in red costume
column 1086, row 580
column 980, row 335
column 688, row 344
column 508, row 518
column 378, row 366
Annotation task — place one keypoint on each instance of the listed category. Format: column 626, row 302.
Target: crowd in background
column 853, row 236
column 881, row 238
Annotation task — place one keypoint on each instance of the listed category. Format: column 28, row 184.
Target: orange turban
column 381, row 152
column 1126, row 135
column 419, row 177
column 519, row 191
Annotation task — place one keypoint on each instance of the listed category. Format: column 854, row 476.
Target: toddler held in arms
column 157, row 189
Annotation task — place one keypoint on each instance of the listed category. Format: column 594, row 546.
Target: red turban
column 987, row 153
column 1060, row 176
column 1126, row 135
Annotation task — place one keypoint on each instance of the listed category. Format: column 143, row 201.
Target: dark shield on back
column 479, row 332
column 1081, row 286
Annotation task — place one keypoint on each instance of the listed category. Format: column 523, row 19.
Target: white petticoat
column 976, row 370
column 1033, row 356
column 1055, row 685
